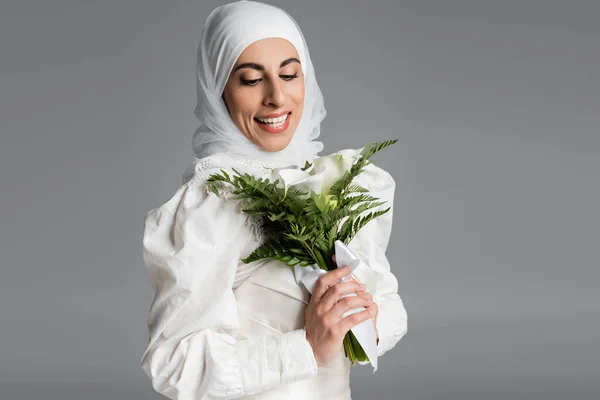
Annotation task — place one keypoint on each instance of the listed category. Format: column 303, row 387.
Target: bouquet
column 305, row 211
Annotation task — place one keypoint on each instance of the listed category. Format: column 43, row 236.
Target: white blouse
column 222, row 329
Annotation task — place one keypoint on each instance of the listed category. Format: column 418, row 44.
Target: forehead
column 268, row 51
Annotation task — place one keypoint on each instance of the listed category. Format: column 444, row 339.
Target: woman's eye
column 250, row 82
column 253, row 82
column 288, row 77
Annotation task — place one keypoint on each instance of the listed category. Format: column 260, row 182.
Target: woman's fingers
column 328, row 279
column 373, row 308
column 335, row 293
column 345, row 324
column 346, row 304
column 366, row 294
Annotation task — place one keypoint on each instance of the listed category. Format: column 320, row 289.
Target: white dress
column 222, row 329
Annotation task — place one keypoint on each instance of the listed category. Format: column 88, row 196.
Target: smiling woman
column 223, row 329
column 265, row 93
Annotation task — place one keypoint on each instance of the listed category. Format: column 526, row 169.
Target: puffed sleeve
column 191, row 247
column 370, row 244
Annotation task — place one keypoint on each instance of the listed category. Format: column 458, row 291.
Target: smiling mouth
column 274, row 125
column 273, row 122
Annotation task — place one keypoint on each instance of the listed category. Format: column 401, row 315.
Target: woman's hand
column 325, row 327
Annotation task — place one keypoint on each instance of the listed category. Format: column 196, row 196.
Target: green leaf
column 307, row 165
column 338, row 188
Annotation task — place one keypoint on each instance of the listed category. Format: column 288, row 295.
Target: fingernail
column 362, row 285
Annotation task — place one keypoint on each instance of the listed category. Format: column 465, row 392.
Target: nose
column 275, row 96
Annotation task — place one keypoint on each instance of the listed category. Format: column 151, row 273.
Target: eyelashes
column 253, row 82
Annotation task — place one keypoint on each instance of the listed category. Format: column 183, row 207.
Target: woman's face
column 265, row 93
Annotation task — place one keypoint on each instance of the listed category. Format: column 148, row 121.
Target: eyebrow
column 260, row 67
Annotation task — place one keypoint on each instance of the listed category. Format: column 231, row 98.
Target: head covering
column 228, row 30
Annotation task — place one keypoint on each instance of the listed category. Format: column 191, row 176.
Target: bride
column 223, row 329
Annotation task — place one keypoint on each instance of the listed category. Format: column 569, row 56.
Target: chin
column 273, row 147
column 275, row 143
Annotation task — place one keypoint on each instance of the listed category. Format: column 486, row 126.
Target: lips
column 272, row 128
column 276, row 115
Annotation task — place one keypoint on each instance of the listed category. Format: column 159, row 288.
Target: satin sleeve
column 370, row 244
column 191, row 247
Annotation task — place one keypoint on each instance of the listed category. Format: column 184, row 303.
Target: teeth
column 273, row 121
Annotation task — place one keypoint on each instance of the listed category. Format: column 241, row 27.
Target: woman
column 222, row 329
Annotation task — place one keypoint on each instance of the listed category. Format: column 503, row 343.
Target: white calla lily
column 320, row 175
column 302, row 180
column 334, row 166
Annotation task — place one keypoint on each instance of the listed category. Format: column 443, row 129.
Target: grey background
column 495, row 245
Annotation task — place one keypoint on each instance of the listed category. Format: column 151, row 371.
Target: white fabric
column 229, row 29
column 222, row 329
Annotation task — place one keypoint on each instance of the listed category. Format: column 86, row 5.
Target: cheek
column 241, row 103
column 297, row 93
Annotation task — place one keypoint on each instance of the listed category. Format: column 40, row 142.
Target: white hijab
column 228, row 30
